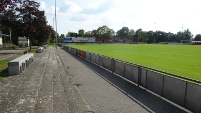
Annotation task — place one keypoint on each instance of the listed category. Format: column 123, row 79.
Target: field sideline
column 184, row 60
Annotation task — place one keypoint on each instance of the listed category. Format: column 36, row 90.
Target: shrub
column 12, row 46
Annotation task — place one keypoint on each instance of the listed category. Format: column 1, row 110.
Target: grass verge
column 53, row 45
column 33, row 49
column 4, row 69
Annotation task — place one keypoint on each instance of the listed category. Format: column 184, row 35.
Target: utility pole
column 182, row 28
column 10, row 30
column 10, row 36
column 155, row 33
column 56, row 23
column 54, row 31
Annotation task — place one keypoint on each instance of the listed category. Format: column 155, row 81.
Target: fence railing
column 180, row 90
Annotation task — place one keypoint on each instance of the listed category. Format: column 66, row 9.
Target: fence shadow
column 151, row 102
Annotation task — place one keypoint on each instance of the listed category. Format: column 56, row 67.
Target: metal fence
column 180, row 90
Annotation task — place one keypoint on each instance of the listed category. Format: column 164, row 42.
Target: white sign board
column 23, row 41
column 1, row 43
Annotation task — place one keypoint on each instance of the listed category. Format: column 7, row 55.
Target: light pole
column 56, row 23
column 54, row 32
column 169, row 35
column 10, row 30
column 10, row 36
column 139, row 36
column 155, row 32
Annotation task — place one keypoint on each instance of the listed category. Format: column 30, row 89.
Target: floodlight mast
column 54, row 32
column 56, row 24
column 155, row 32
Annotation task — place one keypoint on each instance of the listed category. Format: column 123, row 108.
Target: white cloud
column 42, row 5
column 169, row 15
column 97, row 9
column 69, row 6
column 78, row 18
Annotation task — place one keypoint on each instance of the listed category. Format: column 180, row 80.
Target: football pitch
column 183, row 60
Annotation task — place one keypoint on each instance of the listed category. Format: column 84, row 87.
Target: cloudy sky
column 164, row 15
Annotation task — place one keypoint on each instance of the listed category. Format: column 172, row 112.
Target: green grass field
column 184, row 60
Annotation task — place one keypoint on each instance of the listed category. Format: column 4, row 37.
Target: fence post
column 185, row 94
column 139, row 75
column 89, row 56
column 98, row 59
column 163, row 85
column 113, row 65
column 124, row 70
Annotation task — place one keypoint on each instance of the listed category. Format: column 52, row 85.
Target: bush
column 12, row 46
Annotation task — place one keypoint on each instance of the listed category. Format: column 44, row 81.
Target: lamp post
column 155, row 32
column 56, row 23
column 10, row 36
column 54, row 31
column 10, row 30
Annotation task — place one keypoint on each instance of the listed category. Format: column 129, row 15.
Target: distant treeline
column 125, row 34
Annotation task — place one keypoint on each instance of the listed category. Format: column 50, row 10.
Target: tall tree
column 123, row 33
column 88, row 34
column 104, row 32
column 161, row 37
column 138, row 34
column 187, row 35
column 27, row 20
column 171, row 37
column 197, row 37
column 7, row 21
column 72, row 34
column 27, row 16
column 131, row 33
column 4, row 4
column 150, row 35
column 94, row 33
column 81, row 33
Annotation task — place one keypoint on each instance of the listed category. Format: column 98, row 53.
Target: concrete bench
column 16, row 66
column 28, row 58
column 44, row 46
column 40, row 49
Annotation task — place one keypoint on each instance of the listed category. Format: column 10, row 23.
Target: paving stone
column 108, row 93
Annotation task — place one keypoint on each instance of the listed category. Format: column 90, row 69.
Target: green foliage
column 81, row 33
column 12, row 46
column 33, row 50
column 72, row 34
column 123, row 33
column 25, row 19
column 53, row 45
column 5, row 3
column 197, row 37
column 183, row 60
column 3, row 68
column 104, row 32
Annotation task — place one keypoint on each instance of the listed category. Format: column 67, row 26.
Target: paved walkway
column 57, row 82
